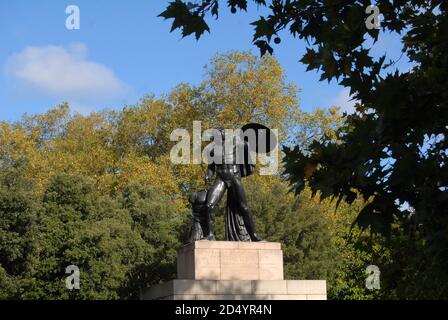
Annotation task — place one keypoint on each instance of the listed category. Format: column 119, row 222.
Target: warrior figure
column 240, row 225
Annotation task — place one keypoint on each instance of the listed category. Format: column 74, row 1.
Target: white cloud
column 63, row 73
column 344, row 101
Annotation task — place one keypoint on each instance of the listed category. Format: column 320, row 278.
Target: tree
column 238, row 88
column 162, row 226
column 299, row 224
column 77, row 226
column 119, row 245
column 116, row 148
column 392, row 151
column 19, row 209
column 310, row 127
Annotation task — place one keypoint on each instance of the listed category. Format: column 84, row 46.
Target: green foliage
column 161, row 225
column 120, row 245
column 297, row 223
column 190, row 23
column 18, row 214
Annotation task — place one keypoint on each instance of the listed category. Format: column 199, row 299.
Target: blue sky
column 123, row 51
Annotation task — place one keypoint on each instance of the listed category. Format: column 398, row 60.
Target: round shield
column 260, row 138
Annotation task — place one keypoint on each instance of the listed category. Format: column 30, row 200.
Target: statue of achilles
column 240, row 225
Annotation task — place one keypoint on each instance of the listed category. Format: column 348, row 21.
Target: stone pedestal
column 238, row 289
column 230, row 260
column 226, row 270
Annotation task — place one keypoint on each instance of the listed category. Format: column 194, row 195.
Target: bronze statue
column 239, row 221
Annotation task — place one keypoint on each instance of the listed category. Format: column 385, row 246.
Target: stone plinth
column 230, row 260
column 226, row 270
column 238, row 290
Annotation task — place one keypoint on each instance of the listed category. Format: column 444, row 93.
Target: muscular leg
column 241, row 199
column 214, row 195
